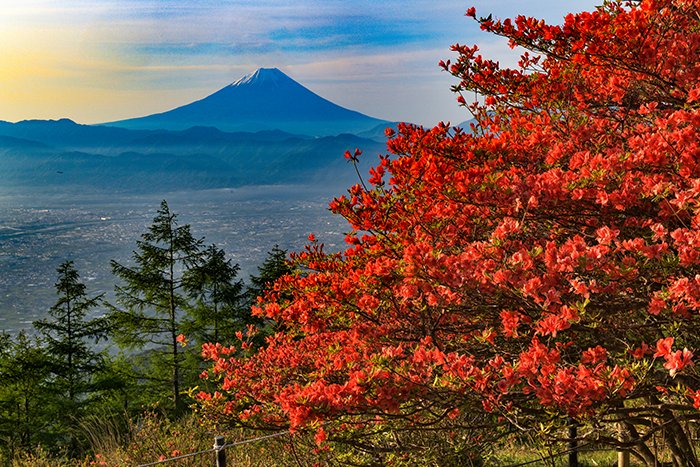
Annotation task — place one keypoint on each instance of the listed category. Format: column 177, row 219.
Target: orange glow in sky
column 106, row 60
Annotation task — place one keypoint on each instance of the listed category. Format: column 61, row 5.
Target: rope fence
column 220, row 446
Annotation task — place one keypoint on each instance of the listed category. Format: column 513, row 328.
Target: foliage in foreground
column 59, row 393
column 153, row 436
column 542, row 270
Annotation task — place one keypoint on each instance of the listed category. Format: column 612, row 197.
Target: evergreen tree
column 71, row 360
column 153, row 298
column 220, row 308
column 275, row 266
column 23, row 394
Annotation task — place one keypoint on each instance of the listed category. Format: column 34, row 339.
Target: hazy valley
column 87, row 192
column 39, row 232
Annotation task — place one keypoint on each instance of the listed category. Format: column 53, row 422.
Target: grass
column 521, row 455
column 153, row 437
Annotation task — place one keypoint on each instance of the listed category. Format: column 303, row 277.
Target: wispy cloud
column 378, row 57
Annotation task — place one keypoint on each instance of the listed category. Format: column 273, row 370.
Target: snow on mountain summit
column 262, row 76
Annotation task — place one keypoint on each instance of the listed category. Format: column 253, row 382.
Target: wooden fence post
column 623, row 455
column 623, row 458
column 573, row 444
column 219, row 443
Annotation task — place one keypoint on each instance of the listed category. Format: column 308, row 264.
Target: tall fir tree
column 72, row 361
column 275, row 266
column 153, row 300
column 220, row 309
column 24, row 421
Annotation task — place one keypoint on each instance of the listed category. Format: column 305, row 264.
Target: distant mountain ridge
column 263, row 129
column 61, row 153
column 266, row 99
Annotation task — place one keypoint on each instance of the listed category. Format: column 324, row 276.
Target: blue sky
column 103, row 60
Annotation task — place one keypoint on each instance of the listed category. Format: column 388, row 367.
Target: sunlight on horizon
column 110, row 60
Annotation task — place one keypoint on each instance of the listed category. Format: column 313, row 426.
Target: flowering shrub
column 544, row 266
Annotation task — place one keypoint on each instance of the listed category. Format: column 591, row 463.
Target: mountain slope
column 65, row 154
column 264, row 100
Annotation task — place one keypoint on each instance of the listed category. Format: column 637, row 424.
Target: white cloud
column 376, row 57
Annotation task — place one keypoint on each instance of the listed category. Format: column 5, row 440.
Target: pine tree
column 23, row 416
column 66, row 335
column 220, row 308
column 275, row 266
column 71, row 361
column 153, row 298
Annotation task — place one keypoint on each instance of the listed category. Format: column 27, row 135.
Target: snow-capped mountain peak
column 262, row 76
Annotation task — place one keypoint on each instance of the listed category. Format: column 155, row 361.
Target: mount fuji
column 266, row 99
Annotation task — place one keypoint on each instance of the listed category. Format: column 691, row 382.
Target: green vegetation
column 219, row 303
column 67, row 395
column 152, row 301
column 24, row 421
column 74, row 367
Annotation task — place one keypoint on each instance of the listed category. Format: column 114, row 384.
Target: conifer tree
column 72, row 360
column 275, row 266
column 50, row 382
column 153, row 300
column 220, row 308
column 23, row 372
